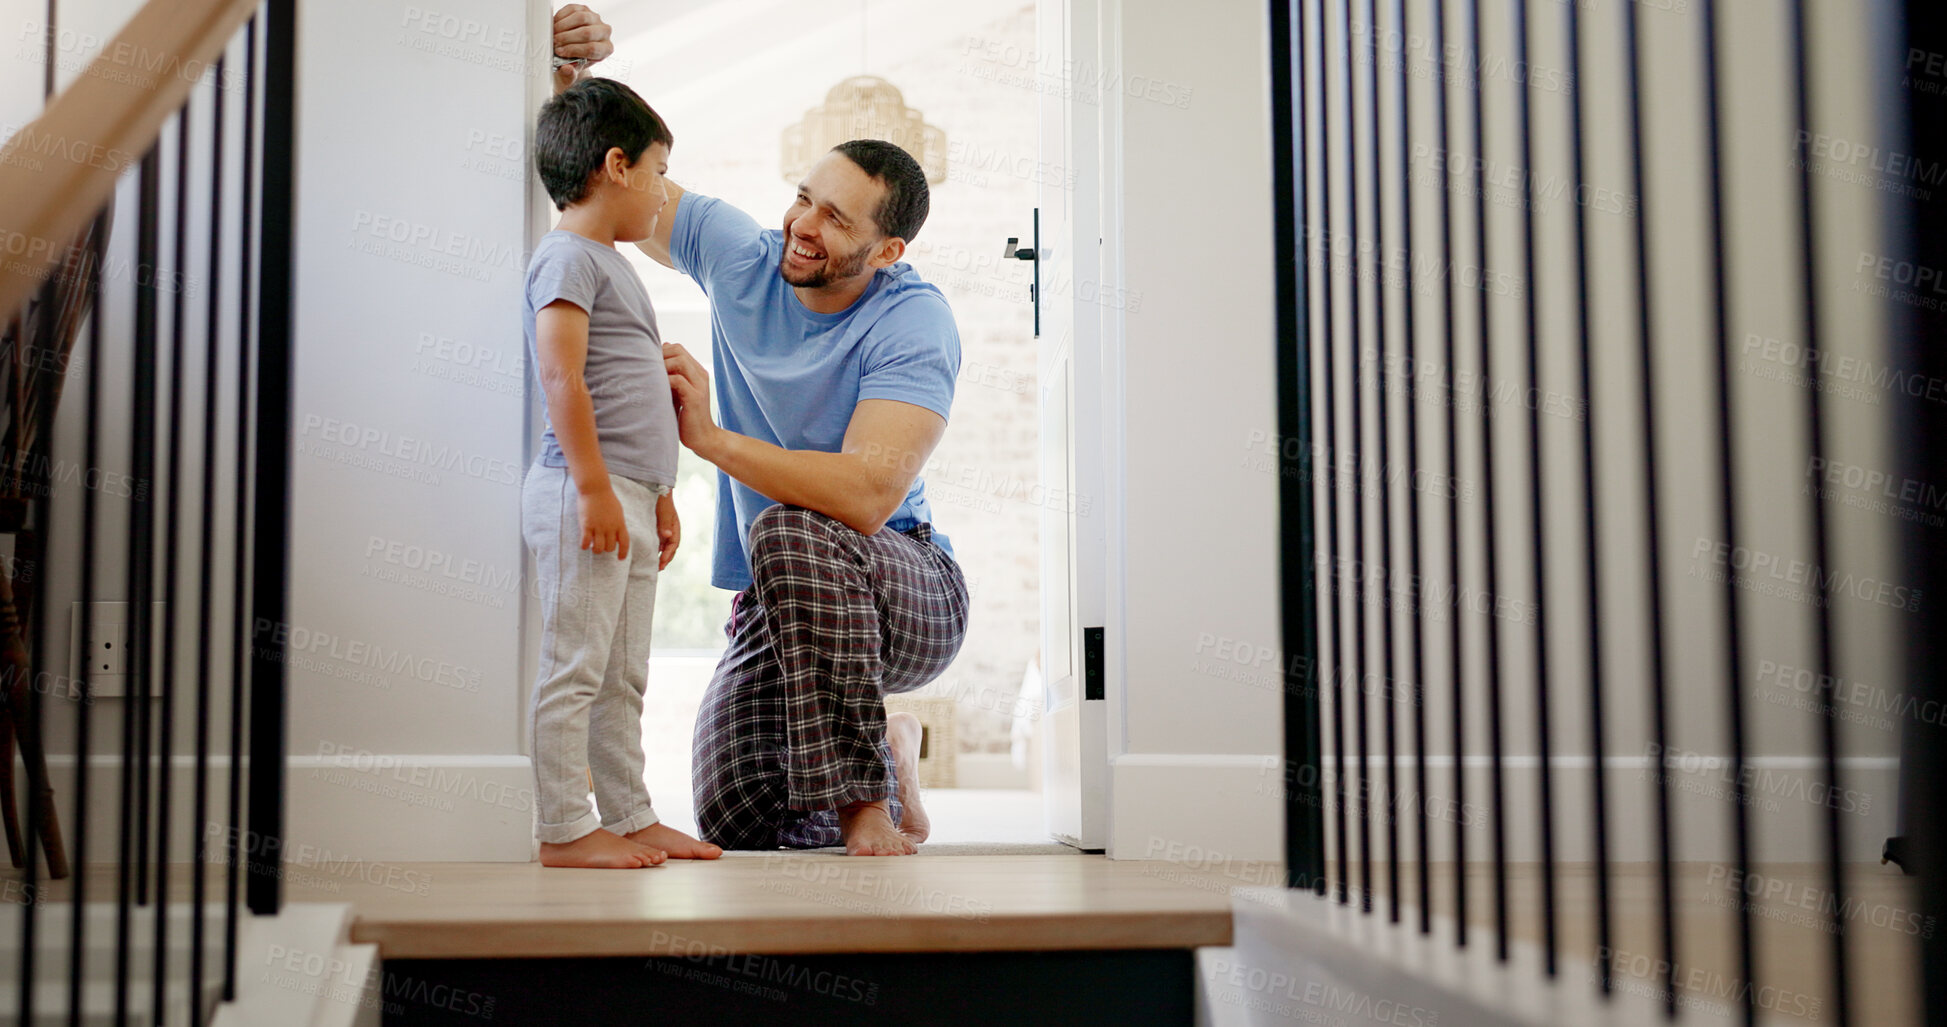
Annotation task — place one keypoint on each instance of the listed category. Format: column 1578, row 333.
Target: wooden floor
column 785, row 902
column 814, row 903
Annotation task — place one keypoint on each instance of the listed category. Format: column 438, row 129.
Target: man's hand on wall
column 580, row 35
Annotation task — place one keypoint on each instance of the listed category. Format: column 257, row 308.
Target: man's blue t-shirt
column 791, row 376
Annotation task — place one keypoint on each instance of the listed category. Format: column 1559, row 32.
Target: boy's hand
column 602, row 525
column 669, row 529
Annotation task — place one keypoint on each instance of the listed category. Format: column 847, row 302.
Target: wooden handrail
column 56, row 172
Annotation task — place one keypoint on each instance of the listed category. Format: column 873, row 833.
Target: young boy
column 602, row 481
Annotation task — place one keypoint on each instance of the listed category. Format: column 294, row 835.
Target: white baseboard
column 1785, row 808
column 404, row 808
column 342, row 806
column 1163, row 805
column 105, row 809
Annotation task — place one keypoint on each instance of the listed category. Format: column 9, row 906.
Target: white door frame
column 1081, row 405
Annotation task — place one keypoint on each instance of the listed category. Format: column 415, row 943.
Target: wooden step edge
column 483, row 939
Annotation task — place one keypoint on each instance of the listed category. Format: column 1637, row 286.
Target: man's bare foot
column 904, row 732
column 868, row 831
column 599, row 849
column 666, row 839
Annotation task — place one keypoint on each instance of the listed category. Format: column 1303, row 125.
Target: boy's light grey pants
column 595, row 619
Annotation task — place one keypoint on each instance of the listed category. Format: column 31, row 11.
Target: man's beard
column 832, row 270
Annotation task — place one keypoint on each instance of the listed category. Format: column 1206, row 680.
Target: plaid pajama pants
column 793, row 725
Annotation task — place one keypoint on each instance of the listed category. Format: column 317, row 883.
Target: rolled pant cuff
column 644, row 817
column 839, row 798
column 561, row 834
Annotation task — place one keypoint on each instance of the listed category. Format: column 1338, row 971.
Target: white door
column 1073, row 535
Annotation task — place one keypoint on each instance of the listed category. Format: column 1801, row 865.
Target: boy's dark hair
column 578, row 127
column 904, row 208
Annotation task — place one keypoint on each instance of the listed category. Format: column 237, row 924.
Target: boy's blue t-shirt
column 791, row 376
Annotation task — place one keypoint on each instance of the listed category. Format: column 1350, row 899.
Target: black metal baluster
column 1356, row 646
column 1727, row 513
column 1824, row 645
column 236, row 840
column 270, row 556
column 207, row 548
column 1915, row 230
column 34, row 467
column 1604, row 931
column 19, row 466
column 1525, row 119
column 141, row 562
column 1454, row 633
column 1342, row 844
column 52, row 21
column 1311, row 63
column 1361, row 566
column 134, row 647
column 1411, row 413
column 1497, row 796
column 84, row 714
column 1659, row 710
column 1383, row 565
column 1304, row 824
column 165, row 715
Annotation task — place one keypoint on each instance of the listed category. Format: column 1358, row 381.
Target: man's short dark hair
column 578, row 127
column 904, row 208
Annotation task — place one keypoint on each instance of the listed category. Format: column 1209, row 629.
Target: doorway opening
column 737, row 98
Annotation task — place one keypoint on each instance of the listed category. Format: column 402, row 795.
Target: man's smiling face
column 830, row 230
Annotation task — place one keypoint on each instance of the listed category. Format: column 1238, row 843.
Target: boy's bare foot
column 868, row 831
column 666, row 839
column 599, row 849
column 903, row 731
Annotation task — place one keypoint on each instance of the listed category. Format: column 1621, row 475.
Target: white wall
column 413, row 214
column 410, row 426
column 1195, row 739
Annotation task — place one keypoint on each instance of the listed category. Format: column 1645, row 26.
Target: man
column 836, row 367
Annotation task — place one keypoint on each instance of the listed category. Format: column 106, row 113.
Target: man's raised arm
column 581, row 35
column 657, row 245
